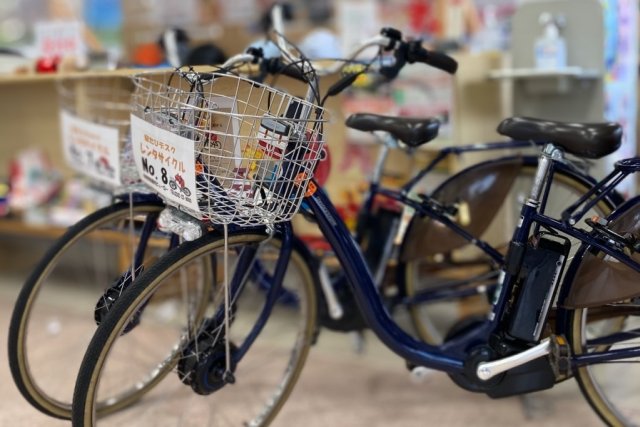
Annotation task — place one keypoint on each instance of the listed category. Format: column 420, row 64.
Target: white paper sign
column 91, row 149
column 224, row 127
column 165, row 162
column 357, row 21
column 59, row 38
column 238, row 11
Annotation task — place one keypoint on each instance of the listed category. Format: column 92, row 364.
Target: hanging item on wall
column 621, row 79
column 59, row 39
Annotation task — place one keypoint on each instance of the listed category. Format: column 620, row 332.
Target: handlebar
column 291, row 65
column 438, row 60
column 278, row 66
column 388, row 39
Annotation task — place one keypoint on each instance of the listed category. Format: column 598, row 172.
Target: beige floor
column 342, row 388
column 338, row 386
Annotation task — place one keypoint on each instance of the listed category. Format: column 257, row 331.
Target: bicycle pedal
column 560, row 356
column 419, row 374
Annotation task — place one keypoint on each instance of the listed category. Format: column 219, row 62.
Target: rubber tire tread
column 27, row 289
column 596, row 400
column 105, row 330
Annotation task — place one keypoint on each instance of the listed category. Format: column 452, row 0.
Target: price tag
column 166, row 162
column 91, row 149
column 59, row 38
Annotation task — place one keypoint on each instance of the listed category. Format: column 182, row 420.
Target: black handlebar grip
column 293, row 71
column 275, row 66
column 436, row 59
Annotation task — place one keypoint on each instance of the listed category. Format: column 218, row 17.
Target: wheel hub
column 110, row 296
column 203, row 362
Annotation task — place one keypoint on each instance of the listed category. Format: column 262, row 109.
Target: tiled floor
column 340, row 387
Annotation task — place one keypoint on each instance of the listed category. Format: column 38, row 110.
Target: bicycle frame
column 147, row 227
column 404, row 196
column 450, row 356
column 375, row 188
column 364, row 289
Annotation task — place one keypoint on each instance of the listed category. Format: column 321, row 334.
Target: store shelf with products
column 29, row 117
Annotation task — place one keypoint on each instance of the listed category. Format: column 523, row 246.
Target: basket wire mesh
column 254, row 147
column 104, row 101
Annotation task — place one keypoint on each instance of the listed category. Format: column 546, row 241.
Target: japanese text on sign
column 59, row 38
column 90, row 148
column 165, row 161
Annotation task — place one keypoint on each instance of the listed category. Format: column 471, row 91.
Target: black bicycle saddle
column 589, row 140
column 412, row 131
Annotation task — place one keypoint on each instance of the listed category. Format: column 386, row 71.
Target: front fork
column 112, row 293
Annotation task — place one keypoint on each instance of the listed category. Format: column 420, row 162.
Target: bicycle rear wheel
column 265, row 370
column 54, row 316
column 611, row 388
column 458, row 281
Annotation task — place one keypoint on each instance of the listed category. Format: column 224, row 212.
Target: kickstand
column 358, row 340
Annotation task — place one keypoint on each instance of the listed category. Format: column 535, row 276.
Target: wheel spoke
column 265, row 374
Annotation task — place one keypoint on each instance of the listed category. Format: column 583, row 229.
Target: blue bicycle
column 545, row 324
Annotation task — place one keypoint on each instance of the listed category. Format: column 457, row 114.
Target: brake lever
column 400, row 54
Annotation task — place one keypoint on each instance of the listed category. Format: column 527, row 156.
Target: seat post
column 388, row 142
column 549, row 154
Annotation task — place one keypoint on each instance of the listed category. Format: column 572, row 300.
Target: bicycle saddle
column 590, row 140
column 412, row 131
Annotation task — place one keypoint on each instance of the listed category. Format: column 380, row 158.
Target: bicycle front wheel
column 451, row 280
column 270, row 331
column 54, row 316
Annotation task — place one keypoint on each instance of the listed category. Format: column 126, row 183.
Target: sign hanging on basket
column 90, row 148
column 166, row 162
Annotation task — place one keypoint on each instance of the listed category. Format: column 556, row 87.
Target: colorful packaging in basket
column 276, row 142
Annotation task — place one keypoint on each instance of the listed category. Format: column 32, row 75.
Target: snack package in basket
column 277, row 143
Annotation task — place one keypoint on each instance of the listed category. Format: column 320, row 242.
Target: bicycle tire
column 48, row 282
column 432, row 321
column 607, row 387
column 105, row 344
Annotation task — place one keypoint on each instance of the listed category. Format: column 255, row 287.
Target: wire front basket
column 95, row 122
column 224, row 148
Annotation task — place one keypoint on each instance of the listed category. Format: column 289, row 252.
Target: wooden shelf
column 15, row 226
column 535, row 73
column 6, row 79
column 553, row 81
column 53, row 77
